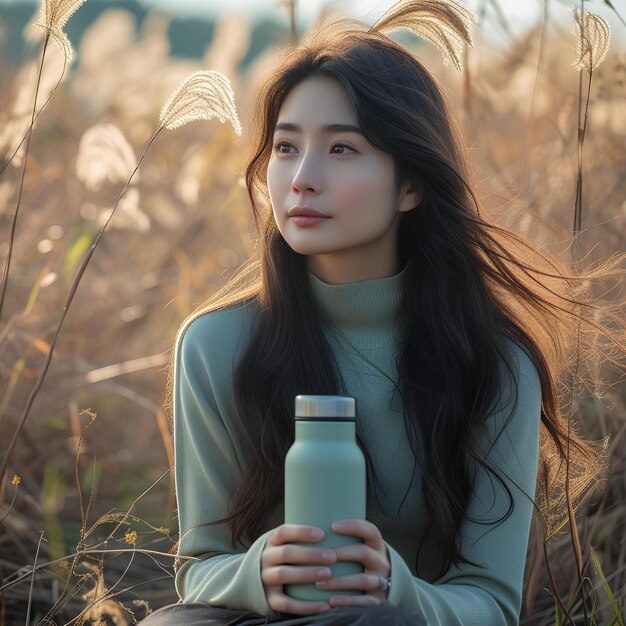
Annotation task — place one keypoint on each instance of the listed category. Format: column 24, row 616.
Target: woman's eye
column 341, row 145
column 279, row 144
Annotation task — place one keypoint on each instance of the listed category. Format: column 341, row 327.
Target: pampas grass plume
column 201, row 96
column 53, row 17
column 593, row 35
column 104, row 154
column 445, row 23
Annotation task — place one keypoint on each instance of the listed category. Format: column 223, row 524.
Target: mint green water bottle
column 325, row 481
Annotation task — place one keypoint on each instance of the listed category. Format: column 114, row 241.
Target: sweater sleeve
column 468, row 595
column 204, row 469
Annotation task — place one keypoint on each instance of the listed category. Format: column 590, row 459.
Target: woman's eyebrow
column 328, row 128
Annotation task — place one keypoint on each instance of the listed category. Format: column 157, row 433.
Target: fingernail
column 328, row 554
column 316, row 533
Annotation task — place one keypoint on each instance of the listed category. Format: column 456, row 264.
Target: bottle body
column 325, row 481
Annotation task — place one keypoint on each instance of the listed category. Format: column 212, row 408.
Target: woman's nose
column 306, row 177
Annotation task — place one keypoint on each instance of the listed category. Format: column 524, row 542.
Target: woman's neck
column 365, row 303
column 335, row 270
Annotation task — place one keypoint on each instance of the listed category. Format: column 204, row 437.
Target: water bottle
column 325, row 481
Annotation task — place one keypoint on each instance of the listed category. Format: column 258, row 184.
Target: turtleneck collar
column 364, row 303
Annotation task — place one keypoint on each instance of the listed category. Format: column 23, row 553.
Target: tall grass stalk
column 32, row 579
column 29, row 132
column 582, row 129
column 617, row 617
column 591, row 50
column 292, row 21
column 573, row 529
column 545, row 16
column 53, row 16
column 559, row 604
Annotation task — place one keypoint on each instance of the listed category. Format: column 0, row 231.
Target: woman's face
column 339, row 174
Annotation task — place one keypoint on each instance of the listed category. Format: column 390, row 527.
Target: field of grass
column 87, row 493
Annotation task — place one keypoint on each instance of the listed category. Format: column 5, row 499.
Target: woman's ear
column 410, row 197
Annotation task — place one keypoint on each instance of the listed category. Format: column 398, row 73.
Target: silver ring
column 385, row 584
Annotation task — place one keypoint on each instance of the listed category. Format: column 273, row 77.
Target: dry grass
column 94, row 454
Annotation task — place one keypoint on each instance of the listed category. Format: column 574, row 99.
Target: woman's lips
column 308, row 220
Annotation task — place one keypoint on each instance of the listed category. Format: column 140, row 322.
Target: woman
column 402, row 294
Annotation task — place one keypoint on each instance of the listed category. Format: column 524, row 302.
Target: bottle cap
column 325, row 407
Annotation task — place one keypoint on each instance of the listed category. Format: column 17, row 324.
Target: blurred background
column 97, row 441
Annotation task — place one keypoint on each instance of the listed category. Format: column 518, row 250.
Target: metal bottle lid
column 325, row 407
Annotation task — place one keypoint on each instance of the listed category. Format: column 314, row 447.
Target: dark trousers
column 206, row 615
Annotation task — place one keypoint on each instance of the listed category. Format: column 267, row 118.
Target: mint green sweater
column 208, row 467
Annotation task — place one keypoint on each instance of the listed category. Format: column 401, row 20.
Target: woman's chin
column 307, row 249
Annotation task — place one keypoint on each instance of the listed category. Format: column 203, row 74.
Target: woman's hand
column 374, row 556
column 275, row 574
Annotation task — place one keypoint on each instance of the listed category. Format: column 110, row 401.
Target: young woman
column 380, row 278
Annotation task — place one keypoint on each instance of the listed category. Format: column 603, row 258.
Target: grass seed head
column 53, row 16
column 445, row 23
column 593, row 35
column 104, row 154
column 201, row 96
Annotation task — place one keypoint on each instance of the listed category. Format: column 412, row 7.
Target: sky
column 520, row 14
column 308, row 9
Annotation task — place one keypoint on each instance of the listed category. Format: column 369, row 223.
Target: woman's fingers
column 276, row 577
column 280, row 550
column 287, row 575
column 362, row 553
column 285, row 604
column 294, row 532
column 365, row 600
column 361, row 582
column 300, row 554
